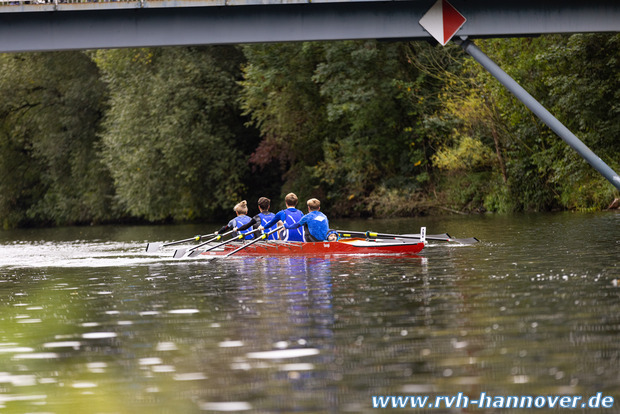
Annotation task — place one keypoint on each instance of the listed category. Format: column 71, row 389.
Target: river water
column 90, row 323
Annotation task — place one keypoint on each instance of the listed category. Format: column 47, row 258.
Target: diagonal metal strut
column 540, row 111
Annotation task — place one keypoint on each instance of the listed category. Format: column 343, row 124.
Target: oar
column 195, row 252
column 238, row 237
column 346, row 233
column 446, row 237
column 181, row 252
column 153, row 247
column 435, row 237
column 261, row 237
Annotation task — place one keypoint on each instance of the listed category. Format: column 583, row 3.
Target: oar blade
column 195, row 253
column 153, row 247
column 178, row 253
column 469, row 240
column 446, row 237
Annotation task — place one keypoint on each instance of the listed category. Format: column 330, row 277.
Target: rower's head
column 290, row 200
column 264, row 203
column 313, row 204
column 241, row 208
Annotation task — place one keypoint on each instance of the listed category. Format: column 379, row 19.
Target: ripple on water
column 229, row 406
column 99, row 335
column 514, row 314
column 283, row 353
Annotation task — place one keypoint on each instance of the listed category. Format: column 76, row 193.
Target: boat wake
column 76, row 254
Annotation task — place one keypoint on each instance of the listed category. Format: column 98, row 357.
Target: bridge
column 38, row 25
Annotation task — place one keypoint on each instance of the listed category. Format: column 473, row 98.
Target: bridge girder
column 65, row 26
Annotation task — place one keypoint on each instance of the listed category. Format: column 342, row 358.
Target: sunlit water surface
column 91, row 323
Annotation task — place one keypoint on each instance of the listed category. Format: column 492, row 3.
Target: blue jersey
column 264, row 218
column 293, row 216
column 240, row 221
column 289, row 216
column 317, row 224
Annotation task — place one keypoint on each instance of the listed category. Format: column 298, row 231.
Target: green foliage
column 283, row 102
column 391, row 201
column 576, row 78
column 533, row 169
column 369, row 121
column 169, row 139
column 370, row 128
column 584, row 89
column 48, row 135
column 335, row 114
column 466, row 191
column 470, row 154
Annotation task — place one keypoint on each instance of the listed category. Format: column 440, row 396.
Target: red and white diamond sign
column 442, row 21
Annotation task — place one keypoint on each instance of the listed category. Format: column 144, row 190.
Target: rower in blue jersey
column 242, row 210
column 289, row 216
column 264, row 217
column 315, row 223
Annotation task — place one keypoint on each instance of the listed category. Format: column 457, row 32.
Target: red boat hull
column 343, row 247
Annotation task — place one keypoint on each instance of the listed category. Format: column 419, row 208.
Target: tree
column 369, row 150
column 584, row 88
column 51, row 171
column 533, row 169
column 332, row 115
column 283, row 101
column 170, row 137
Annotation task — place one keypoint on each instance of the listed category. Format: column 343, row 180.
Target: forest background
column 370, row 128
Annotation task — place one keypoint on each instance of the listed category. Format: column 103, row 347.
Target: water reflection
column 312, row 335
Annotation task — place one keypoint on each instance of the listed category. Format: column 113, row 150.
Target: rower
column 264, row 217
column 241, row 221
column 290, row 216
column 315, row 223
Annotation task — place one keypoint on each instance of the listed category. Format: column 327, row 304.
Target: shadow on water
column 90, row 320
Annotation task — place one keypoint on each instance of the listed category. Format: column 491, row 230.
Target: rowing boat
column 353, row 246
column 350, row 243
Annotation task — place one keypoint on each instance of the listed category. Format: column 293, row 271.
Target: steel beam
column 62, row 26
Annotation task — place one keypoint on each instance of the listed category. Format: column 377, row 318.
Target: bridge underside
column 64, row 26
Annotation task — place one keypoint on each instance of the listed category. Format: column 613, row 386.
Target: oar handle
column 219, row 236
column 181, row 252
column 195, row 252
column 347, row 233
column 216, row 238
column 237, row 237
column 195, row 238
